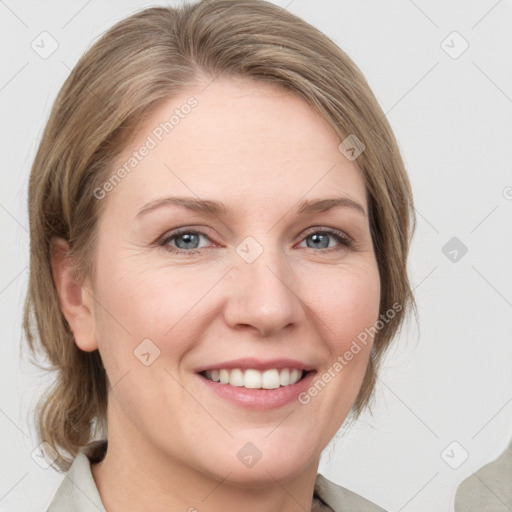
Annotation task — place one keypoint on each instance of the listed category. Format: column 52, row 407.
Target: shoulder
column 78, row 491
column 489, row 488
column 341, row 499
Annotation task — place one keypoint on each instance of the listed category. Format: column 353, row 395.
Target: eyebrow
column 216, row 208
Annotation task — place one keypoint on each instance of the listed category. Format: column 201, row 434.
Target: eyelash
column 342, row 238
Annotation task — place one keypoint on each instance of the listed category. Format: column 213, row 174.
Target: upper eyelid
column 185, row 229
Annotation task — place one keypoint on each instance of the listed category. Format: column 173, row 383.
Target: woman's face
column 266, row 278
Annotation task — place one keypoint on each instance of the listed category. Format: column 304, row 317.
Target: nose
column 262, row 295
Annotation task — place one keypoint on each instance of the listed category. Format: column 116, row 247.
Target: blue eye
column 320, row 239
column 186, row 241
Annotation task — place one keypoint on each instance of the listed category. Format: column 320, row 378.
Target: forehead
column 246, row 143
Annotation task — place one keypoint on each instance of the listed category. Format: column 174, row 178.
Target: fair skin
column 173, row 443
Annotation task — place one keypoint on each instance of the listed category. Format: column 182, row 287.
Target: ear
column 75, row 298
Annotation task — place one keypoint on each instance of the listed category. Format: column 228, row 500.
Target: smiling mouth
column 254, row 379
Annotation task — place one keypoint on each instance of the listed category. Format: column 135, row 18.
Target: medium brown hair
column 149, row 57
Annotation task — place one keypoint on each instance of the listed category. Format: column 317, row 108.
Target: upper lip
column 256, row 364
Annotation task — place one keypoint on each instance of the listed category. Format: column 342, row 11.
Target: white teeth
column 254, row 379
column 295, row 375
column 270, row 379
column 284, row 377
column 236, row 378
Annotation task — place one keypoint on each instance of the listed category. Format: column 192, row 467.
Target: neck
column 135, row 475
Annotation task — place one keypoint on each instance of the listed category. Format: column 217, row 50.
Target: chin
column 260, row 463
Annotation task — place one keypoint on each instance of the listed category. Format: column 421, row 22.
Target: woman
column 220, row 221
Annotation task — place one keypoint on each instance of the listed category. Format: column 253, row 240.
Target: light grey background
column 446, row 379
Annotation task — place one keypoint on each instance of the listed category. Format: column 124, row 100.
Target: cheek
column 347, row 302
column 138, row 301
column 145, row 301
column 347, row 312
column 350, row 310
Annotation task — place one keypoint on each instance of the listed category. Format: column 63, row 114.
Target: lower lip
column 260, row 399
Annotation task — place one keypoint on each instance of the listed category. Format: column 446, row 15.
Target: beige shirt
column 489, row 489
column 78, row 491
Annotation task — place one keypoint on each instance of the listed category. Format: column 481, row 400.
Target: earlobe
column 75, row 300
